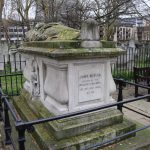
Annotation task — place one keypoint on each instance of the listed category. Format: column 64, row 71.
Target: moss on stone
column 108, row 44
column 74, row 125
column 73, row 53
column 42, row 137
column 52, row 31
column 31, row 110
column 56, row 44
column 65, row 33
column 63, row 42
column 66, row 43
column 139, row 142
column 89, row 139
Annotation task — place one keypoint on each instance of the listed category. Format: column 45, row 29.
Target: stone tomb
column 66, row 75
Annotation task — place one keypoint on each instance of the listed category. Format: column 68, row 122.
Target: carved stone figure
column 51, row 31
column 35, row 79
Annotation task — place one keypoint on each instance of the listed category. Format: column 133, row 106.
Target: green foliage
column 12, row 85
column 11, row 81
column 126, row 75
column 143, row 63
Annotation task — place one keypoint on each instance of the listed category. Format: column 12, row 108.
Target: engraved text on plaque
column 89, row 85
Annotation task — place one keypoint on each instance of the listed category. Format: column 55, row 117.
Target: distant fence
column 123, row 66
column 11, row 76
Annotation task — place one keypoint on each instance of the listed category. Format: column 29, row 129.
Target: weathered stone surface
column 90, row 34
column 70, row 78
column 108, row 44
column 51, row 31
column 54, row 44
column 78, row 124
column 61, row 42
column 90, row 30
column 47, row 140
column 63, row 54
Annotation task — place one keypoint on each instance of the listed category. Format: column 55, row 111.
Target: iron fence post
column 7, row 125
column 120, row 95
column 148, row 89
column 1, row 106
column 21, row 139
column 21, row 135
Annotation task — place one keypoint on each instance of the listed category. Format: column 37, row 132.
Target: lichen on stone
column 51, row 31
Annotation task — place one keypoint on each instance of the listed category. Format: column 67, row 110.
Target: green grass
column 11, row 85
column 129, row 74
column 123, row 74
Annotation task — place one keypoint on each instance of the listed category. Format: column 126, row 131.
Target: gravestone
column 67, row 72
column 3, row 52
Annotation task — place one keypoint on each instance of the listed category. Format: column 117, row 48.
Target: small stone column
column 90, row 34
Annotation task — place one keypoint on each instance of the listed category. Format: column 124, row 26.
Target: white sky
column 7, row 10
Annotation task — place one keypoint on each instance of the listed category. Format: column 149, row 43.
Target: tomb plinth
column 67, row 71
column 68, row 75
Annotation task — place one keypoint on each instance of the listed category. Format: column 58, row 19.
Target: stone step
column 41, row 136
column 73, row 126
column 96, row 137
column 139, row 142
column 47, row 140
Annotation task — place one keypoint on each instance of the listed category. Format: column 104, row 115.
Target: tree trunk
column 1, row 10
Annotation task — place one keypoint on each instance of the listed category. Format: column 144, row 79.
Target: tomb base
column 75, row 133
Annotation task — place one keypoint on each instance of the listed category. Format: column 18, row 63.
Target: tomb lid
column 57, row 41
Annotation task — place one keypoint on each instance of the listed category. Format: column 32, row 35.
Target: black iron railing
column 11, row 76
column 23, row 126
column 123, row 66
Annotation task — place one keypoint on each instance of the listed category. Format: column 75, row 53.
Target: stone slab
column 139, row 142
column 73, row 126
column 62, row 54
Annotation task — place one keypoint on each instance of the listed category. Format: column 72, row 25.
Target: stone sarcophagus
column 70, row 74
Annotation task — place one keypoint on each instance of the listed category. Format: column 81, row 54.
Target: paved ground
column 142, row 106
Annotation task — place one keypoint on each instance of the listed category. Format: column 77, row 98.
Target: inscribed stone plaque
column 89, row 85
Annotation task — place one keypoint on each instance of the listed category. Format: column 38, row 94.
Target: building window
column 2, row 35
column 11, row 30
column 11, row 36
column 15, row 30
column 19, row 30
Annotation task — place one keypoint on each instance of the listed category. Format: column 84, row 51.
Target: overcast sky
column 32, row 10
